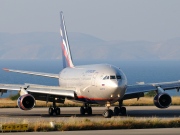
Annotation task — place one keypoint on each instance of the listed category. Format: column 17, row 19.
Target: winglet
column 66, row 51
column 6, row 69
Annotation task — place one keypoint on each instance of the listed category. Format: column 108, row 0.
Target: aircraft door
column 94, row 79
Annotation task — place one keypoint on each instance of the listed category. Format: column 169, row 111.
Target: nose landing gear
column 108, row 113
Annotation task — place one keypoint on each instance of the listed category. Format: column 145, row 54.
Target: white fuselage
column 99, row 83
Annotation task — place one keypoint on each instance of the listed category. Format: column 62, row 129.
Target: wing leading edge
column 33, row 73
column 40, row 90
column 138, row 90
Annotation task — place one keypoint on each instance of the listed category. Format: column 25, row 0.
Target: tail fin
column 66, row 52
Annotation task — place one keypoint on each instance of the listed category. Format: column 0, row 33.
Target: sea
column 136, row 71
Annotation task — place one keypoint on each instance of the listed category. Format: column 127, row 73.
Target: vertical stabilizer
column 66, row 52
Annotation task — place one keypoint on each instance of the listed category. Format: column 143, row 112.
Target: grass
column 147, row 101
column 144, row 101
column 72, row 124
column 8, row 103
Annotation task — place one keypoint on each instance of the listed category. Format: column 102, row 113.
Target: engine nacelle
column 26, row 102
column 162, row 100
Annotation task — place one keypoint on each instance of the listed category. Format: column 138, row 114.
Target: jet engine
column 26, row 102
column 162, row 100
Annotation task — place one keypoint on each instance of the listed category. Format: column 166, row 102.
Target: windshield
column 106, row 77
column 112, row 77
column 118, row 76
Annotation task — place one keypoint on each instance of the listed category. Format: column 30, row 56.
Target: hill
column 46, row 45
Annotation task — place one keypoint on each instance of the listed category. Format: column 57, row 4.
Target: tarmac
column 137, row 112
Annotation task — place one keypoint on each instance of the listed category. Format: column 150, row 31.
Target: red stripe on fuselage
column 95, row 99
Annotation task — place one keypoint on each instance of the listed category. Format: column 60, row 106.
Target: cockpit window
column 112, row 77
column 106, row 77
column 118, row 76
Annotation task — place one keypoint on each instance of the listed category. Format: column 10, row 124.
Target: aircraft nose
column 116, row 89
column 114, row 84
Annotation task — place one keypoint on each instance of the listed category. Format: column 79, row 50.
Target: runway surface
column 163, row 131
column 67, row 113
column 14, row 114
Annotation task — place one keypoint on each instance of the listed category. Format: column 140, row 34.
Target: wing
column 33, row 73
column 42, row 92
column 137, row 91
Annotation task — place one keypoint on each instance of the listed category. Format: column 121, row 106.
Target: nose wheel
column 108, row 113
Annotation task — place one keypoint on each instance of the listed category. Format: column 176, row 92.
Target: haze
column 150, row 20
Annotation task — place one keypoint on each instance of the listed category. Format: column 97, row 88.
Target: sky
column 151, row 20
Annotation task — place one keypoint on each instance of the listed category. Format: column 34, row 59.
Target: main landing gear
column 54, row 110
column 117, row 111
column 86, row 109
column 120, row 111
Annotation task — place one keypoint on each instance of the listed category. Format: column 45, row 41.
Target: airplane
column 102, row 84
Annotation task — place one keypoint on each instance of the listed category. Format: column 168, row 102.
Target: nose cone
column 114, row 84
column 117, row 89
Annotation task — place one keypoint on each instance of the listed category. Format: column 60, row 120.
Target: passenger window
column 107, row 77
column 112, row 77
column 118, row 77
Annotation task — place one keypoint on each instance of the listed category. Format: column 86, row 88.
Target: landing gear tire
column 89, row 111
column 107, row 113
column 51, row 111
column 120, row 111
column 82, row 110
column 123, row 111
column 86, row 109
column 116, row 111
column 57, row 111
